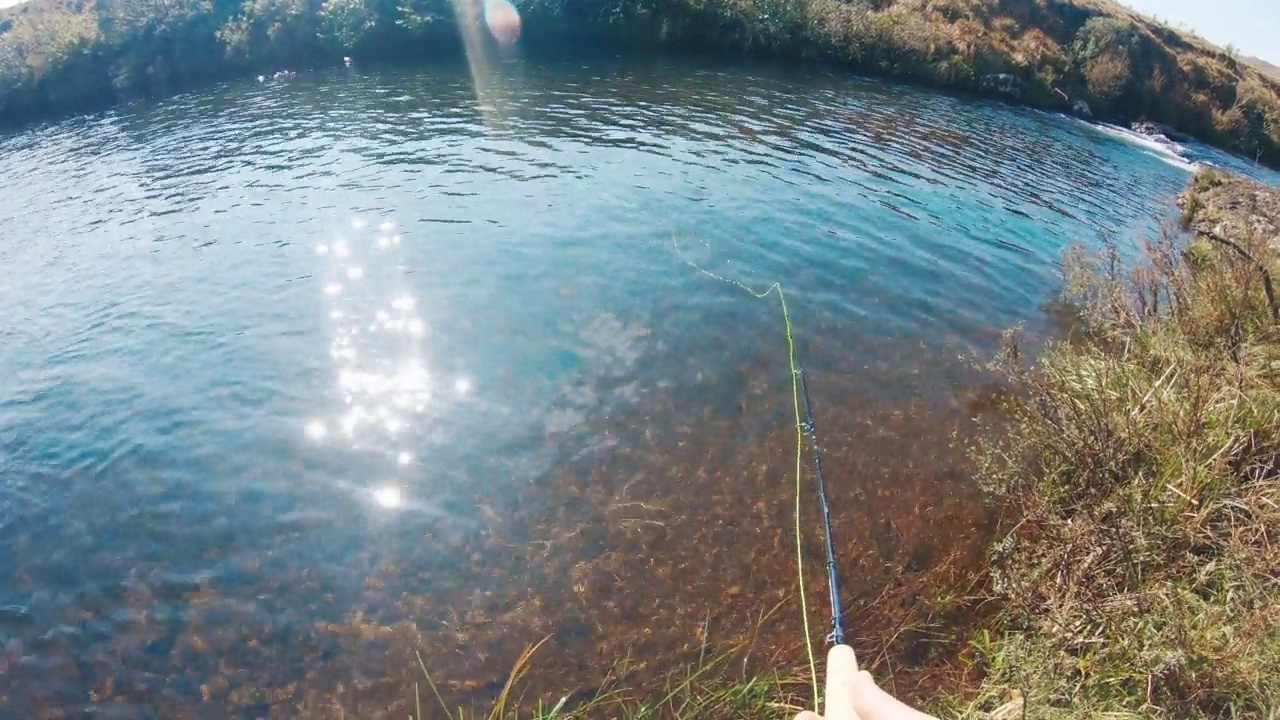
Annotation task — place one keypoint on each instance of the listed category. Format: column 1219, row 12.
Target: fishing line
column 805, row 425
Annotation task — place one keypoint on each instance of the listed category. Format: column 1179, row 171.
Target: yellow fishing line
column 795, row 399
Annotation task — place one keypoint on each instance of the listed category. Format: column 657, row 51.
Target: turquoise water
column 299, row 377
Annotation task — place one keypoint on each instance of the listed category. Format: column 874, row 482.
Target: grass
column 705, row 689
column 1139, row 573
column 1142, row 576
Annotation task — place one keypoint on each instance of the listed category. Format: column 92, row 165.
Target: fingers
column 808, row 715
column 842, row 672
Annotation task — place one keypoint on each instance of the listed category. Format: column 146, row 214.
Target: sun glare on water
column 385, row 393
column 388, row 496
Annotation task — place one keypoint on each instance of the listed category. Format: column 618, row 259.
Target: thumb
column 872, row 702
column 842, row 672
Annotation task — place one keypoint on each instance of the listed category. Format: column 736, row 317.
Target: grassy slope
column 65, row 54
column 1264, row 67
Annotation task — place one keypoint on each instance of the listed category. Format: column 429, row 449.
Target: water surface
column 300, row 378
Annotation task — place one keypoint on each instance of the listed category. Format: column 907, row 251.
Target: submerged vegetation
column 1137, row 574
column 1086, row 55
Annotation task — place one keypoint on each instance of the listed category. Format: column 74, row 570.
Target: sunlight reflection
column 388, row 496
column 316, row 430
column 376, row 341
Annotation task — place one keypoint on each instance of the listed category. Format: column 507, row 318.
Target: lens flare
column 503, row 21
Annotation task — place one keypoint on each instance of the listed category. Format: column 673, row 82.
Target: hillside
column 59, row 55
column 1264, row 67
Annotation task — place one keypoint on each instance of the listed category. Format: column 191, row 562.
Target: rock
column 1003, row 84
column 1224, row 205
column 1081, row 108
column 1158, row 130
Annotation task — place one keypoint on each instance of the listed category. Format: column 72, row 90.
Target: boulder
column 1081, row 108
column 1159, row 129
column 1003, row 84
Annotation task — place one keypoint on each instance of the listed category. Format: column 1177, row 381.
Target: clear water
column 300, row 378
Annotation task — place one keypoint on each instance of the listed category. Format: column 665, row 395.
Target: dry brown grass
column 1143, row 574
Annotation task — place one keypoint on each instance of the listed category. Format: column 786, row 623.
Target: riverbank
column 1143, row 471
column 1090, row 57
column 1140, row 489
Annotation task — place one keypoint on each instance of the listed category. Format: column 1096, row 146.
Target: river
column 302, row 378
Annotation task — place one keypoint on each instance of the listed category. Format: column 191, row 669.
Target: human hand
column 853, row 695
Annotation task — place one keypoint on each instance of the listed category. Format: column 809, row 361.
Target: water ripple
column 266, row 343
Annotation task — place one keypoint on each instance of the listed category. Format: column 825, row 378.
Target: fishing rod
column 810, row 428
column 805, row 427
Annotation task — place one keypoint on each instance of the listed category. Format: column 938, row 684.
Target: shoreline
column 1074, row 58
